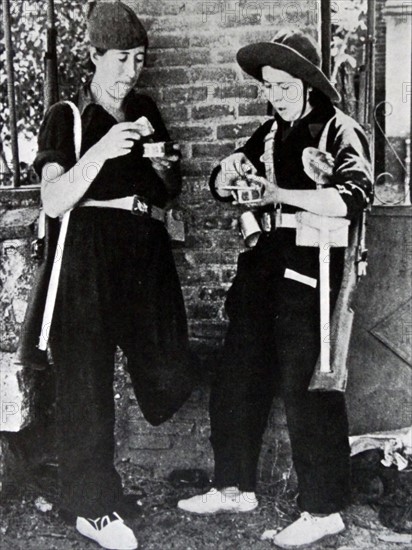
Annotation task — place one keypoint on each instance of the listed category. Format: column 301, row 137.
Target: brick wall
column 210, row 108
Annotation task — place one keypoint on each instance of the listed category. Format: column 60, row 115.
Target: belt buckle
column 139, row 207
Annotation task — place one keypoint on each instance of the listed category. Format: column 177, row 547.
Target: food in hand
column 318, row 165
column 144, row 126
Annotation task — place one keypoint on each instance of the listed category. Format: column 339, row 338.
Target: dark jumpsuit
column 118, row 286
column 273, row 336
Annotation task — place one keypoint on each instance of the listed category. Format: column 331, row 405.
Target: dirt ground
column 161, row 526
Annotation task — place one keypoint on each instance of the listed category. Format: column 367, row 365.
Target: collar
column 85, row 98
column 315, row 121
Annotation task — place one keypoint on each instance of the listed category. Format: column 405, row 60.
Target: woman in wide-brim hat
column 273, row 305
column 118, row 284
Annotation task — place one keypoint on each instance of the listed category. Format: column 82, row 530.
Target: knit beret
column 114, row 26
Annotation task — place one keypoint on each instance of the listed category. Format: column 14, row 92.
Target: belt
column 287, row 221
column 134, row 204
column 276, row 220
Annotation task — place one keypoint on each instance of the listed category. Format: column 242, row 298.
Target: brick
column 174, row 113
column 253, row 109
column 212, row 150
column 156, row 8
column 212, row 40
column 214, row 74
column 172, row 427
column 188, row 133
column 166, row 40
column 210, row 294
column 177, row 95
column 193, row 275
column 203, row 241
column 150, row 442
column 232, row 131
column 192, row 167
column 228, row 275
column 164, row 77
column 250, row 16
column 224, row 258
column 224, row 56
column 185, row 58
column 212, row 111
column 203, row 311
column 238, row 90
column 207, row 329
column 154, row 93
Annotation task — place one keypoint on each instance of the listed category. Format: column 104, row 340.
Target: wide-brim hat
column 114, row 26
column 292, row 52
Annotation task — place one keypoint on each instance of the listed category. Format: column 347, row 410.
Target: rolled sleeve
column 55, row 141
column 352, row 175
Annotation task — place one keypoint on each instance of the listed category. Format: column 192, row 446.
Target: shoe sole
column 220, row 511
column 309, row 544
column 88, row 535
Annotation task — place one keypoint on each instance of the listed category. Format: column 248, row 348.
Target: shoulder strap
column 267, row 157
column 77, row 128
column 55, row 273
column 324, row 136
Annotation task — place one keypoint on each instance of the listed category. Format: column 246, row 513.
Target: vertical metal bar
column 370, row 76
column 11, row 92
column 51, row 89
column 326, row 36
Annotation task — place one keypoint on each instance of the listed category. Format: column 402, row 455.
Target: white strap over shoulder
column 55, row 274
column 267, row 157
column 77, row 128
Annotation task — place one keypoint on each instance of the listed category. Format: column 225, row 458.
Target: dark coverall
column 274, row 332
column 118, row 286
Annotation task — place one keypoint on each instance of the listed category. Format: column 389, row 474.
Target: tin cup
column 249, row 228
column 159, row 149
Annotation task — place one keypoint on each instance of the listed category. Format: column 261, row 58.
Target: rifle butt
column 336, row 380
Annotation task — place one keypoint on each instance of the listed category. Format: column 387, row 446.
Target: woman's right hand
column 118, row 141
column 234, row 169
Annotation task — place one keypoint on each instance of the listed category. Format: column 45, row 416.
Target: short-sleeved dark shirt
column 131, row 174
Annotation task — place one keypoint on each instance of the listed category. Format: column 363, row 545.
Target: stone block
column 16, row 395
column 16, row 275
column 18, row 223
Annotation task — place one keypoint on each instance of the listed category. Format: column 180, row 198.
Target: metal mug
column 249, row 228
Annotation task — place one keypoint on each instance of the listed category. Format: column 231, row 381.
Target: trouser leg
column 240, row 402
column 83, row 348
column 89, row 483
column 317, row 421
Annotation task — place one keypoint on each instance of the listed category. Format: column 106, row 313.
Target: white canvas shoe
column 309, row 529
column 229, row 499
column 108, row 531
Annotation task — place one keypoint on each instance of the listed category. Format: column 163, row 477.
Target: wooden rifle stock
column 341, row 324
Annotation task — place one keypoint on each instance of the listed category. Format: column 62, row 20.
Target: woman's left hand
column 161, row 164
column 270, row 191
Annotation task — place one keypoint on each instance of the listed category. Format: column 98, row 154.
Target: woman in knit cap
column 273, row 338
column 118, row 283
